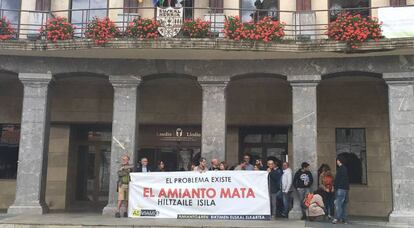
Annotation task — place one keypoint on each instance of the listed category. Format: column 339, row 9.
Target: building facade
column 69, row 111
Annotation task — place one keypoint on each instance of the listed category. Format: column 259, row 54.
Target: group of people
column 329, row 199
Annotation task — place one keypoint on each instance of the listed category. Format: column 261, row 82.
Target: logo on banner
column 144, row 213
column 171, row 21
column 179, row 132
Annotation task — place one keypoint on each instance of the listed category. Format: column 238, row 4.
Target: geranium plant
column 197, row 28
column 265, row 30
column 142, row 28
column 6, row 30
column 58, row 29
column 354, row 29
column 101, row 30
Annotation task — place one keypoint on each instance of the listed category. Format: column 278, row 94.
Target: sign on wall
column 222, row 195
column 398, row 22
column 171, row 20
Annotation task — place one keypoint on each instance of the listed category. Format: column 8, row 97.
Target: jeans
column 329, row 203
column 286, row 203
column 341, row 200
column 302, row 192
column 274, row 207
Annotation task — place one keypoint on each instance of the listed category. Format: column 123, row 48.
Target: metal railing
column 299, row 25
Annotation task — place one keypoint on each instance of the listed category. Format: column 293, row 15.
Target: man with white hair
column 215, row 164
column 286, row 188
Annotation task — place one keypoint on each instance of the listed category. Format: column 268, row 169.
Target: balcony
column 305, row 34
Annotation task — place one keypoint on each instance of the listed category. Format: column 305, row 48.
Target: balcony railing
column 299, row 25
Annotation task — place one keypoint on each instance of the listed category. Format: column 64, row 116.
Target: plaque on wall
column 171, row 21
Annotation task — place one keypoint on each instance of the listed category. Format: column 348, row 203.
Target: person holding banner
column 202, row 167
column 143, row 168
column 123, row 184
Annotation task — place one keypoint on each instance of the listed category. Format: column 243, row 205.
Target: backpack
column 328, row 182
column 307, row 200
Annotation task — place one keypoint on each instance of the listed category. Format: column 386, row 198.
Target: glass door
column 93, row 174
column 264, row 142
column 83, row 11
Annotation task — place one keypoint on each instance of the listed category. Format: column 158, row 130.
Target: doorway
column 92, row 156
column 264, row 142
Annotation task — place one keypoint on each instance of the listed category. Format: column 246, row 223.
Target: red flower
column 58, row 29
column 265, row 30
column 142, row 28
column 6, row 30
column 101, row 30
column 353, row 29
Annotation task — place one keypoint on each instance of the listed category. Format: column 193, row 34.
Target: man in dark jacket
column 341, row 186
column 143, row 167
column 302, row 182
column 274, row 179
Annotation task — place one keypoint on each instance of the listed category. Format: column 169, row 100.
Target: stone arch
column 350, row 74
column 69, row 75
column 257, row 75
column 353, row 110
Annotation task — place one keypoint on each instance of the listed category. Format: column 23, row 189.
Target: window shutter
column 128, row 4
column 43, row 5
column 217, row 5
column 303, row 5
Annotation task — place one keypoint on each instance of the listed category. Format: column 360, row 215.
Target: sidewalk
column 68, row 220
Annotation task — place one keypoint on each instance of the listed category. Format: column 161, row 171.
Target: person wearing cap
column 302, row 182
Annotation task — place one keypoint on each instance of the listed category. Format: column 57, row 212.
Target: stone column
column 124, row 130
column 213, row 130
column 304, row 128
column 401, row 116
column 34, row 145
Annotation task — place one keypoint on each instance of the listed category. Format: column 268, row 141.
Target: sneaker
column 117, row 215
column 335, row 221
column 344, row 222
column 329, row 217
column 125, row 214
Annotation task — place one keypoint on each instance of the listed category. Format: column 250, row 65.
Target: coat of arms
column 171, row 21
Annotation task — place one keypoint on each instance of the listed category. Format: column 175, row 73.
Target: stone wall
column 358, row 102
column 7, row 193
column 57, row 167
column 259, row 101
column 88, row 99
column 11, row 99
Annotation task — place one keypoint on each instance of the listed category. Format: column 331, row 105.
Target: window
column 257, row 9
column 43, row 5
column 188, row 8
column 9, row 150
column 10, row 10
column 84, row 11
column 130, row 6
column 354, row 6
column 216, row 6
column 350, row 143
column 303, row 5
column 398, row 2
column 264, row 142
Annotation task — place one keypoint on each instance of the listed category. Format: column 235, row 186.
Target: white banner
column 398, row 22
column 225, row 195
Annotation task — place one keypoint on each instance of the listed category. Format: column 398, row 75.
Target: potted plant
column 353, row 29
column 101, row 30
column 265, row 30
column 58, row 29
column 142, row 28
column 197, row 28
column 6, row 30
